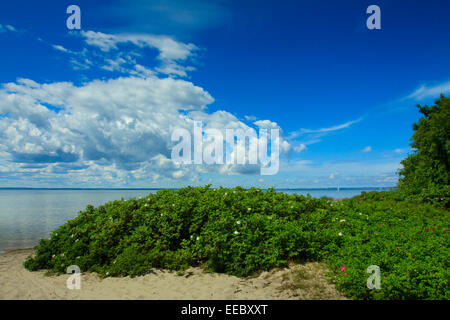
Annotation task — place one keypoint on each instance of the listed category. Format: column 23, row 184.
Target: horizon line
column 161, row 188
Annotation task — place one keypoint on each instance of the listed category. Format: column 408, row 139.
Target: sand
column 303, row 281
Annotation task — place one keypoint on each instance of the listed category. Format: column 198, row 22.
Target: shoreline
column 17, row 283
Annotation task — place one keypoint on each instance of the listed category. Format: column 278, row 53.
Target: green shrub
column 408, row 240
column 240, row 232
column 236, row 231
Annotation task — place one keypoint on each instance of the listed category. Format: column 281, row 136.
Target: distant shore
column 19, row 283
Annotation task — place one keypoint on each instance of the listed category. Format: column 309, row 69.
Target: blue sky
column 95, row 107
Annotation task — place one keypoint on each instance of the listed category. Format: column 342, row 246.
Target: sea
column 27, row 215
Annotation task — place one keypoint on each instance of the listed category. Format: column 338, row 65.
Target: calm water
column 29, row 215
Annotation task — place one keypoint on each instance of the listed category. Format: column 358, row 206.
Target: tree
column 428, row 166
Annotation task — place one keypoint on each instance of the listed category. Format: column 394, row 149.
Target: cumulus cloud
column 123, row 125
column 171, row 52
column 113, row 131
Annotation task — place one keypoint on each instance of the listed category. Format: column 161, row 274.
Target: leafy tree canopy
column 427, row 168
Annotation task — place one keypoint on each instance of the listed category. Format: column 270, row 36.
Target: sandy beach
column 305, row 281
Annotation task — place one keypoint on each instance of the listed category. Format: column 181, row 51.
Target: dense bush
column 240, row 231
column 407, row 239
column 236, row 231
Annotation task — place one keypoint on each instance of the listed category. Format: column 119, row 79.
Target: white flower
column 292, row 207
column 77, row 240
column 53, row 256
column 331, row 204
column 226, row 193
column 238, row 222
column 236, row 232
column 173, row 204
column 340, row 234
column 249, row 209
column 360, row 213
column 62, row 254
column 192, row 236
column 198, row 238
column 161, row 214
column 71, row 235
column 107, row 273
column 343, row 220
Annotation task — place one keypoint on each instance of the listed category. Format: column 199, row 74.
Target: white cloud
column 60, row 48
column 322, row 131
column 121, row 52
column 430, row 91
column 10, row 28
column 6, row 28
column 122, row 125
column 266, row 124
column 171, row 52
column 115, row 131
column 300, row 148
column 367, row 149
column 348, row 173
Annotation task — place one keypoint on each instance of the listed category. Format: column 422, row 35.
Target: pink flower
column 345, row 274
column 343, row 268
column 446, row 229
column 426, row 230
column 433, row 229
